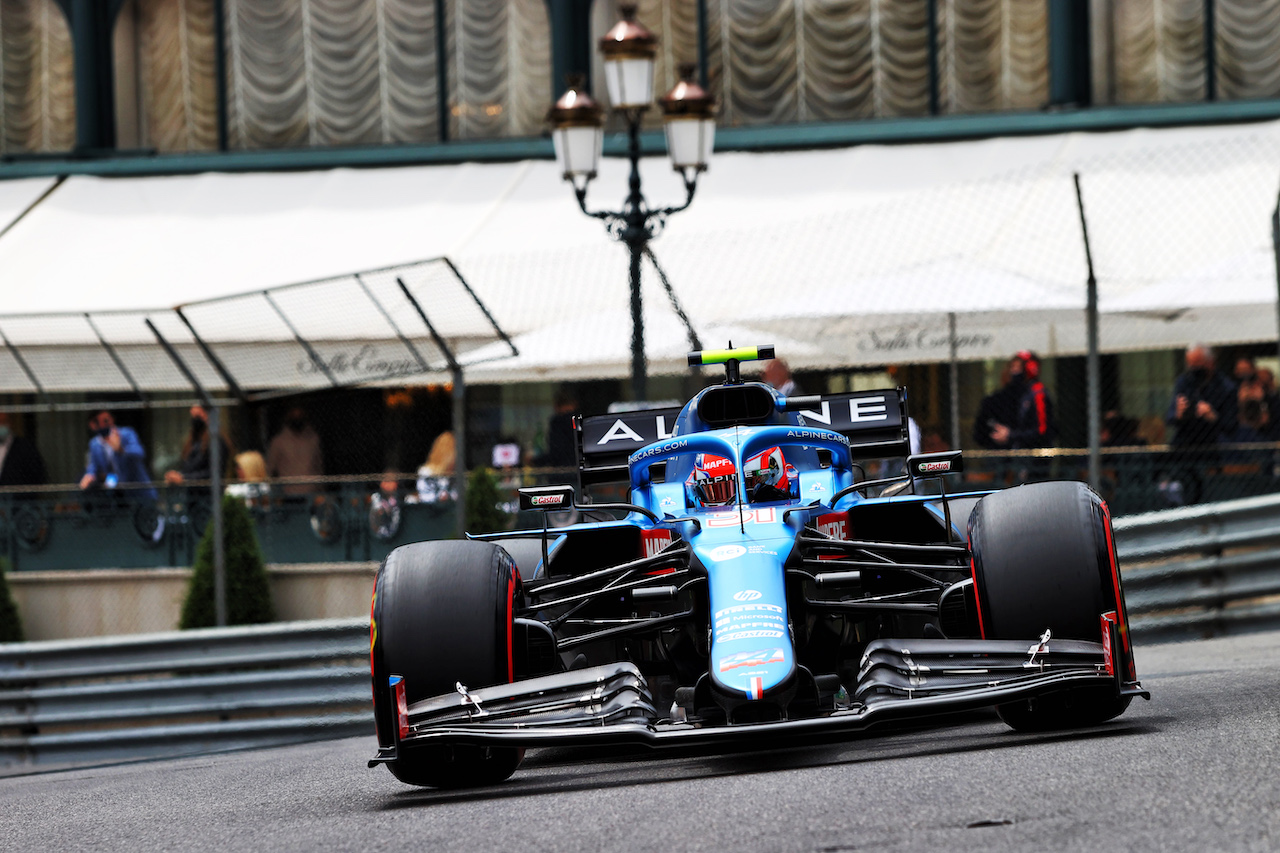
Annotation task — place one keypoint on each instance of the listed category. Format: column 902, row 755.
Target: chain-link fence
column 935, row 289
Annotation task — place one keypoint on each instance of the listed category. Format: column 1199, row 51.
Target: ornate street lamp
column 578, row 134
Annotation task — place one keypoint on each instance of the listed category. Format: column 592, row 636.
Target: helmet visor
column 717, row 491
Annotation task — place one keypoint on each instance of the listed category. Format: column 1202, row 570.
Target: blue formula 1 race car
column 754, row 586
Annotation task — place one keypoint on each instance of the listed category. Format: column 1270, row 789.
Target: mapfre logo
column 934, row 467
column 748, row 595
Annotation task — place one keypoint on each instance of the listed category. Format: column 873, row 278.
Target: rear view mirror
column 935, row 464
column 549, row 498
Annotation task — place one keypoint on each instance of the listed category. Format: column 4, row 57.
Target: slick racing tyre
column 441, row 615
column 1042, row 559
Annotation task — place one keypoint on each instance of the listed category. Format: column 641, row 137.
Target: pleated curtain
column 365, row 72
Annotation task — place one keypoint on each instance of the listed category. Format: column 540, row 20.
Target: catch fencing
column 1192, row 572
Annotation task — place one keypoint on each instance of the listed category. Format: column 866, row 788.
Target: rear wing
column 875, row 422
column 605, row 441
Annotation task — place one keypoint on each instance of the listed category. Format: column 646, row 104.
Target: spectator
column 778, row 374
column 295, row 452
column 434, row 475
column 998, row 407
column 1246, row 369
column 384, row 507
column 1028, row 422
column 1204, row 404
column 251, row 474
column 1253, row 409
column 197, row 461
column 20, row 462
column 1203, row 412
column 116, row 458
column 561, row 449
column 1267, row 380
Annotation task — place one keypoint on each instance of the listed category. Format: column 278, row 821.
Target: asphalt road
column 1196, row 768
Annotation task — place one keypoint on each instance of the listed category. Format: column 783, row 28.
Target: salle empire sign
column 364, row 363
column 904, row 339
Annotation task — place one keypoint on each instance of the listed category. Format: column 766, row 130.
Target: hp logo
column 747, row 595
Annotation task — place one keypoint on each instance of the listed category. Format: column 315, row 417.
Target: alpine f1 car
column 754, row 585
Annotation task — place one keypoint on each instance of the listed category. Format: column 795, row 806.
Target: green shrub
column 10, row 621
column 248, row 593
column 483, row 515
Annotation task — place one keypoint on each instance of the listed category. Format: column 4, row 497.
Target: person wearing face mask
column 20, row 462
column 295, row 452
column 1030, row 417
column 116, row 458
column 1203, row 409
column 196, row 462
column 1203, row 412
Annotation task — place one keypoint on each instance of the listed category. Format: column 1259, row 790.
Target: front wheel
column 1042, row 559
column 442, row 614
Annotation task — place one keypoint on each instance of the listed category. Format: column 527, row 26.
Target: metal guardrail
column 182, row 692
column 1202, row 571
column 1188, row 572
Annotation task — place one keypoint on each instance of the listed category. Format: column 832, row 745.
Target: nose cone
column 752, row 655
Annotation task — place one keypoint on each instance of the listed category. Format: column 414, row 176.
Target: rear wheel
column 442, row 615
column 1042, row 560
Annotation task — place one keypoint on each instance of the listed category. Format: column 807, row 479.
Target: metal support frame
column 115, row 358
column 302, row 342
column 386, row 315
column 223, row 372
column 215, row 476
column 1094, row 374
column 459, row 408
column 26, row 368
column 634, row 226
column 953, row 369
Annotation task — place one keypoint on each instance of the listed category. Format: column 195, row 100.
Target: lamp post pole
column 636, row 236
column 578, row 133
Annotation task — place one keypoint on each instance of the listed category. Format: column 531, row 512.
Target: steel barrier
column 1203, row 570
column 182, row 692
column 1189, row 572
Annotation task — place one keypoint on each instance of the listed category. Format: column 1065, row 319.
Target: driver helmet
column 714, row 480
column 768, row 476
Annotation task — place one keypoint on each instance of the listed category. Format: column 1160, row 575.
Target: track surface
column 1197, row 768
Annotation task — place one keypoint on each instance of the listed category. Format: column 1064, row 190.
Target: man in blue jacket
column 116, row 458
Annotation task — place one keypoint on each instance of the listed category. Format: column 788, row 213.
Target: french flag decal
column 756, row 690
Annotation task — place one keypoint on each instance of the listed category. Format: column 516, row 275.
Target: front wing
column 898, row 680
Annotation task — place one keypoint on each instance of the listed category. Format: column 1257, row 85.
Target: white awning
column 840, row 257
column 17, row 196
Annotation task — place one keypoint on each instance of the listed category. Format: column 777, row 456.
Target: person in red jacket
column 1032, row 423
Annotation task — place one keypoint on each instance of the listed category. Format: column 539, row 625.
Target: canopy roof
column 841, row 257
column 381, row 326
